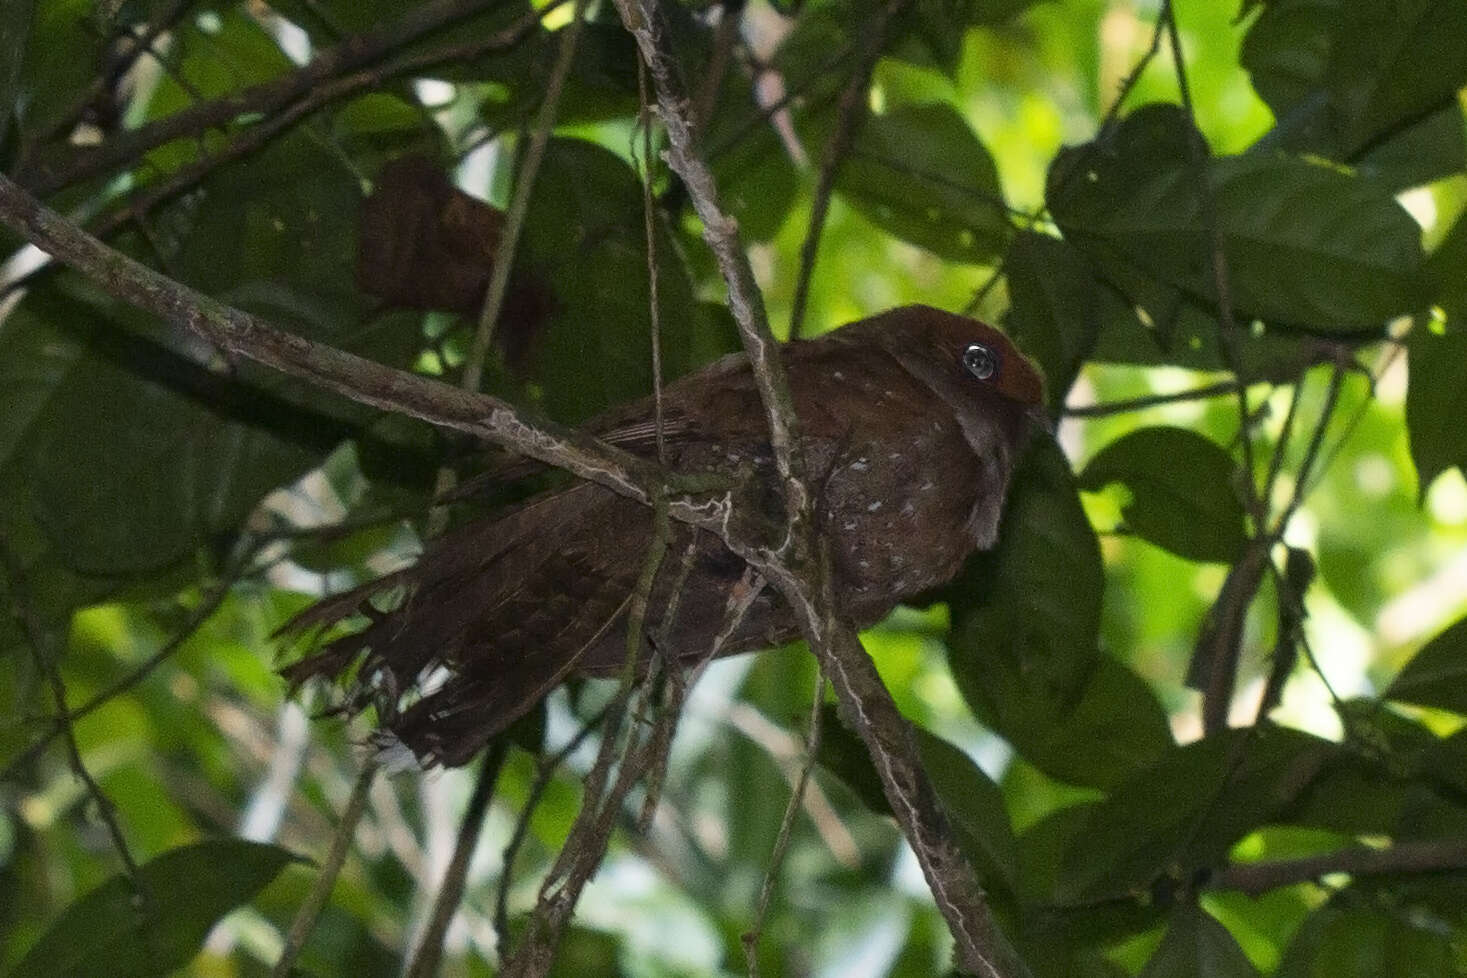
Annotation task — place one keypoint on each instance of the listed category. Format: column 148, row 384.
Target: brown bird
column 911, row 424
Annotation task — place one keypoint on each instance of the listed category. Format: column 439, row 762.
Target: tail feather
column 507, row 607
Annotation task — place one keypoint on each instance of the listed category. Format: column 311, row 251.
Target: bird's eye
column 980, row 361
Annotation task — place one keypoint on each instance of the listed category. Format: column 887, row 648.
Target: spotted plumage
column 911, row 422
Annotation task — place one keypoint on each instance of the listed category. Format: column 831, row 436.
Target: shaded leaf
column 919, row 172
column 1436, row 403
column 586, row 243
column 1436, row 675
column 1369, row 83
column 936, row 28
column 1338, row 941
column 1305, row 244
column 1023, row 649
column 1186, row 810
column 1053, row 313
column 1181, row 487
column 1447, row 270
column 1197, row 946
column 109, row 931
column 15, row 30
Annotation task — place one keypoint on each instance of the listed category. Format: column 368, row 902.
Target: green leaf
column 15, row 30
column 1186, row 810
column 1053, row 308
column 111, row 932
column 936, row 28
column 919, row 172
column 61, row 54
column 1305, row 244
column 1023, row 648
column 1436, row 675
column 1197, row 946
column 973, row 802
column 585, row 243
column 1436, row 403
column 1181, row 486
column 1338, row 941
column 1365, row 82
column 1447, row 269
column 756, row 179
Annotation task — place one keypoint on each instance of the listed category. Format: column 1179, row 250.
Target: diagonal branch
column 46, row 173
column 799, row 567
column 850, row 116
column 244, row 335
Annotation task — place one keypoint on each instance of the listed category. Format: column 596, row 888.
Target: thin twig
column 72, row 164
column 195, row 621
column 543, row 776
column 649, row 218
column 725, row 36
column 1311, row 453
column 850, row 115
column 519, row 206
column 591, row 832
column 1201, row 158
column 1286, row 432
column 310, row 910
column 46, row 663
column 751, row 937
column 111, row 74
column 1108, row 408
column 455, row 877
column 800, row 566
column 767, row 112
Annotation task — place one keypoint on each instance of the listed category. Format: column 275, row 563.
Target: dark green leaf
column 919, row 172
column 1023, row 648
column 15, row 30
column 973, row 802
column 111, row 932
column 1447, row 270
column 585, row 243
column 1436, row 675
column 63, row 49
column 1197, row 946
column 1186, row 810
column 1053, row 312
column 1342, row 942
column 1305, row 244
column 1347, row 79
column 1181, row 488
column 756, row 178
column 936, row 28
column 1436, row 403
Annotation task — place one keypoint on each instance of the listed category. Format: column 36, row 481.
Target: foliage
column 1284, row 213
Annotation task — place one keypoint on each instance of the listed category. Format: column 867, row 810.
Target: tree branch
column 241, row 334
column 1425, row 856
column 850, row 116
column 46, row 174
column 799, row 567
column 310, row 910
column 514, row 221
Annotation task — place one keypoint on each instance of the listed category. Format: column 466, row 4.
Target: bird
column 911, row 424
